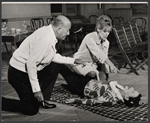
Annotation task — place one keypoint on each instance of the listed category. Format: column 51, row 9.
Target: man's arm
column 63, row 59
column 36, row 56
column 66, row 60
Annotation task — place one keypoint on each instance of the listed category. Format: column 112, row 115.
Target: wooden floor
column 69, row 113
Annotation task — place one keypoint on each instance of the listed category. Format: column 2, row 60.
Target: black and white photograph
column 74, row 61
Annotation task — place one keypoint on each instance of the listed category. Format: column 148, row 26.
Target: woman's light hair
column 103, row 21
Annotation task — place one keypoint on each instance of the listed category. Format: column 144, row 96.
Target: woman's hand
column 114, row 69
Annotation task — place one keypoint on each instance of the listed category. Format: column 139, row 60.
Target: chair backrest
column 4, row 21
column 129, row 34
column 93, row 18
column 120, row 38
column 141, row 24
column 84, row 19
column 136, row 33
column 36, row 23
column 117, row 20
column 49, row 20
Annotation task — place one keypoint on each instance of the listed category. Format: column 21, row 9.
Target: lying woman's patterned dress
column 96, row 92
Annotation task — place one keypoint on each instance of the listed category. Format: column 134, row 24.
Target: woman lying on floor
column 106, row 92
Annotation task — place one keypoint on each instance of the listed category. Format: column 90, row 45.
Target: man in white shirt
column 34, row 67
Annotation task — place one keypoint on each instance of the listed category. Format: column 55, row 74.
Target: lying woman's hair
column 133, row 101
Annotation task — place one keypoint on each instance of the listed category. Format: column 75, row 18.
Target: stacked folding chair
column 132, row 42
column 129, row 50
column 143, row 44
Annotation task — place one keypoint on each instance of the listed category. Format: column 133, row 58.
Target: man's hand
column 39, row 96
column 77, row 61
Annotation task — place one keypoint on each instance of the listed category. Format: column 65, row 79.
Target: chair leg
column 130, row 64
column 6, row 47
column 138, row 62
column 142, row 63
column 122, row 64
column 144, row 57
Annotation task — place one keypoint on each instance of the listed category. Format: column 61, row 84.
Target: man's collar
column 51, row 27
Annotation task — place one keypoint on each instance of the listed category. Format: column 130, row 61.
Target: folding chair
column 133, row 44
column 128, row 54
column 128, row 33
column 143, row 44
column 36, row 23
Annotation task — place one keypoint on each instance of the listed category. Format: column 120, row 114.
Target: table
column 13, row 38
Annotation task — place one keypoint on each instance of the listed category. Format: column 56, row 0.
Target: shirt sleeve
column 95, row 50
column 35, row 57
column 63, row 59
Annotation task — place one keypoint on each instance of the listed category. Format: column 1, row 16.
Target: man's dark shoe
column 47, row 105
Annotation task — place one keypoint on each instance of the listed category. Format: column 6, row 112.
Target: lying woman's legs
column 75, row 81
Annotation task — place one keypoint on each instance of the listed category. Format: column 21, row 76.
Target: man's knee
column 32, row 111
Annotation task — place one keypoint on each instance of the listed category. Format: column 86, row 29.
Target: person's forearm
column 63, row 59
column 107, row 61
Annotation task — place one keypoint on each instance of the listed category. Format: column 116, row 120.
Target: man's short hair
column 57, row 21
column 60, row 20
